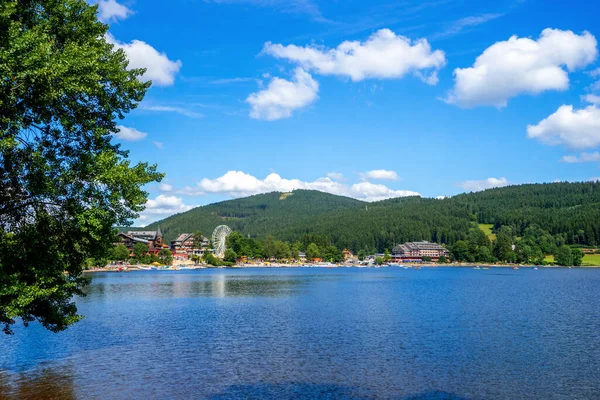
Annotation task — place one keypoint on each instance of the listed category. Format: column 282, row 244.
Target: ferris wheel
column 218, row 238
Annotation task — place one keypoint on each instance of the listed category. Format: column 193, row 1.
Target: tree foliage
column 64, row 184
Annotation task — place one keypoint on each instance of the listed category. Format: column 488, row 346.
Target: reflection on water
column 49, row 383
column 219, row 285
column 307, row 333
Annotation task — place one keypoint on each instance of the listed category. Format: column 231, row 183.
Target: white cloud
column 379, row 174
column 336, row 176
column 240, row 184
column 582, row 158
column 595, row 179
column 159, row 69
column 384, row 55
column 577, row 129
column 592, row 98
column 522, row 65
column 166, row 205
column 478, row 185
column 282, row 97
column 159, row 145
column 110, row 10
column 179, row 110
column 129, row 134
column 165, row 187
column 374, row 192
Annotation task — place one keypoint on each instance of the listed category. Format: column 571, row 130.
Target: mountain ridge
column 569, row 209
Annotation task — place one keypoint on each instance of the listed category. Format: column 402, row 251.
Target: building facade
column 415, row 251
column 152, row 239
column 184, row 245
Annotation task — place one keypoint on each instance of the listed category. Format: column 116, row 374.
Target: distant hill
column 258, row 215
column 568, row 209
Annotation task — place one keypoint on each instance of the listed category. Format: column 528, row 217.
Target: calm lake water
column 319, row 333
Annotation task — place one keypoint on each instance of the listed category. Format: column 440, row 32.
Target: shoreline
column 410, row 266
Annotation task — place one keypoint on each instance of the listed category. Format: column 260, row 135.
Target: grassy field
column 589, row 260
column 487, row 228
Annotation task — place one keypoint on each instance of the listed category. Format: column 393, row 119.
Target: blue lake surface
column 434, row 333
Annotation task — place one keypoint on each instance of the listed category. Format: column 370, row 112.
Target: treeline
column 569, row 212
column 314, row 247
column 531, row 248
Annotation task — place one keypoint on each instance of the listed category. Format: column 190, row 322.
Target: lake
column 345, row 333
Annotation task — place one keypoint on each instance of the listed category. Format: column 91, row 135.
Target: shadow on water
column 318, row 391
column 45, row 384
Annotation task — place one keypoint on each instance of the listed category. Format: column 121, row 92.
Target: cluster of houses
column 184, row 246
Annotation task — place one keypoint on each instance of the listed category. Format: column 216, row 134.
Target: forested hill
column 258, row 215
column 568, row 209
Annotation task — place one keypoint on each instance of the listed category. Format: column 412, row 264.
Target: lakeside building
column 183, row 246
column 415, row 251
column 153, row 239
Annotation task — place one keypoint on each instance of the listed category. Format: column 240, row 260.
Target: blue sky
column 370, row 99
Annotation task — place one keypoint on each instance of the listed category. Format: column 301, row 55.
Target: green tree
column 312, row 251
column 120, row 252
column 460, row 251
column 165, row 257
column 230, row 256
column 378, row 260
column 197, row 239
column 484, row 254
column 295, row 249
column 140, row 250
column 564, row 256
column 64, row 183
column 537, row 256
column 503, row 244
column 361, row 255
column 387, row 256
column 442, row 259
column 577, row 257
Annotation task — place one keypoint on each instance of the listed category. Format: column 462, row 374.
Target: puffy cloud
column 374, row 192
column 478, row 185
column 165, row 187
column 592, row 98
column 522, row 65
column 129, row 134
column 384, row 55
column 110, row 10
column 159, row 145
column 166, row 205
column 159, row 69
column 577, row 129
column 282, row 97
column 336, row 176
column 595, row 179
column 582, row 158
column 379, row 174
column 240, row 184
